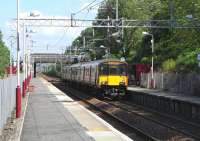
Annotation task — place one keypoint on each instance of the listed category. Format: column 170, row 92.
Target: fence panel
column 7, row 99
column 174, row 82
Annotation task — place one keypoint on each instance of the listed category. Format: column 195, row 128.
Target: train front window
column 113, row 69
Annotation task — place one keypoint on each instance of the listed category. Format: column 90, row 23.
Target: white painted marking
column 114, row 130
column 22, row 124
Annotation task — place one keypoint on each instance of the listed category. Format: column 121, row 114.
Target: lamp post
column 18, row 89
column 152, row 58
column 11, row 49
column 107, row 51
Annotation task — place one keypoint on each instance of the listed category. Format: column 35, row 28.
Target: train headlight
column 104, row 83
column 122, row 83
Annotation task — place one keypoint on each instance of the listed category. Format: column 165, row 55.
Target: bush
column 169, row 65
column 52, row 72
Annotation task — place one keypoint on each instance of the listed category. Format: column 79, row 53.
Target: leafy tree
column 175, row 49
column 4, row 56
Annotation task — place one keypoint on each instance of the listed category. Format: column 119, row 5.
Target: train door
column 96, row 75
column 90, row 74
column 83, row 74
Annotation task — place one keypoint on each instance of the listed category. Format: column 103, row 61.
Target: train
column 107, row 76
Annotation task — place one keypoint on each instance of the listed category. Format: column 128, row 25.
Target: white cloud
column 51, row 31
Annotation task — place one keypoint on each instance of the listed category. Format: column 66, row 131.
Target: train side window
column 103, row 69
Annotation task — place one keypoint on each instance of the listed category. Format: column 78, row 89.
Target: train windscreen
column 113, row 69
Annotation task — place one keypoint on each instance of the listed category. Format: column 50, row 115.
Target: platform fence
column 7, row 98
column 173, row 82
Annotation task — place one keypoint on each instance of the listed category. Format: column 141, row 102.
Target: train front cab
column 113, row 78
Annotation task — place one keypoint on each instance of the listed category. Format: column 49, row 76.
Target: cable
column 86, row 7
column 61, row 38
column 97, row 4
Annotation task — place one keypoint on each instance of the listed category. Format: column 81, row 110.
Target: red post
column 24, row 90
column 152, row 84
column 18, row 102
column 25, row 84
column 28, row 80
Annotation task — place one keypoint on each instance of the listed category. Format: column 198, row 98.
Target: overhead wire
column 84, row 8
column 93, row 6
column 61, row 38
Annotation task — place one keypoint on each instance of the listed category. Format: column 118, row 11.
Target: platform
column 184, row 106
column 175, row 96
column 53, row 116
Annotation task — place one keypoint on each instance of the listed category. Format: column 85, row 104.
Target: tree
column 175, row 49
column 4, row 56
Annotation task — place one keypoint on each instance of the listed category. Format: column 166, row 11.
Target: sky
column 47, row 39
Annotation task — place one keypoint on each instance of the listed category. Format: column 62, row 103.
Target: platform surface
column 53, row 116
column 165, row 94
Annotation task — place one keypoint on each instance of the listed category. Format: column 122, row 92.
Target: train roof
column 96, row 62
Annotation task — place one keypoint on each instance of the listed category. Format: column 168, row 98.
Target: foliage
column 53, row 71
column 4, row 56
column 169, row 65
column 175, row 49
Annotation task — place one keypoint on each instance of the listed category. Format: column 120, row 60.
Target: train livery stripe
column 113, row 80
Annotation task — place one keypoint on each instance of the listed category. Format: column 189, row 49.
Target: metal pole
column 24, row 64
column 18, row 48
column 117, row 9
column 152, row 61
column 122, row 39
column 11, row 46
column 108, row 29
column 84, row 42
column 171, row 10
column 26, row 61
column 27, row 47
column 108, row 35
column 24, row 48
column 93, row 34
column 18, row 89
column 61, row 65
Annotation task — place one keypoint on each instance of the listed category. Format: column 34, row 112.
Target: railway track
column 148, row 125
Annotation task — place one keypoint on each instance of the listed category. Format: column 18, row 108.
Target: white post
column 18, row 48
column 11, row 46
column 117, row 9
column 152, row 61
column 24, row 52
column 27, row 47
column 18, row 89
column 84, row 42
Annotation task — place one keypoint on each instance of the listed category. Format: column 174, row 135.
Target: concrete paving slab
column 53, row 116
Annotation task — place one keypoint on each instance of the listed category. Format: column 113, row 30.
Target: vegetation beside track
column 4, row 57
column 175, row 49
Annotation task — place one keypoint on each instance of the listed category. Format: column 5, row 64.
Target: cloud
column 51, row 31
